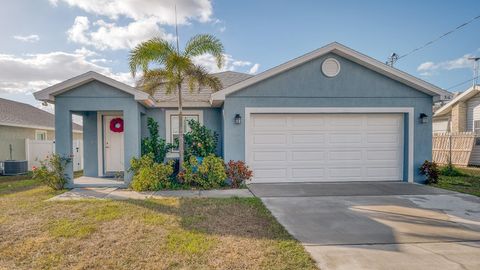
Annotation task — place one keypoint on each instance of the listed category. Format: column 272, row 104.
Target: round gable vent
column 330, row 67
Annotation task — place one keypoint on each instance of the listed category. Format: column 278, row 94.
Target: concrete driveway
column 378, row 225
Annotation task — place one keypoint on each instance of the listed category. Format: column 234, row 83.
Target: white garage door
column 325, row 147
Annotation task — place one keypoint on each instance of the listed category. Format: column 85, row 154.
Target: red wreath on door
column 116, row 125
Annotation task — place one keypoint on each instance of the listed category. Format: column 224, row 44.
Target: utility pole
column 392, row 59
column 475, row 69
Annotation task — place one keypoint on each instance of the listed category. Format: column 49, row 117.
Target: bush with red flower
column 52, row 171
column 238, row 173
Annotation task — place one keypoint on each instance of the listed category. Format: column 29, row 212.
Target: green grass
column 468, row 183
column 189, row 233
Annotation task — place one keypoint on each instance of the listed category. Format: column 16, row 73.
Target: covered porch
column 111, row 113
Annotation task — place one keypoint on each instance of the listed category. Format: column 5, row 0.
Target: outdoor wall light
column 238, row 119
column 423, row 118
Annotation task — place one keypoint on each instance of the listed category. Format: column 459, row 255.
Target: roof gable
column 48, row 94
column 343, row 51
column 471, row 92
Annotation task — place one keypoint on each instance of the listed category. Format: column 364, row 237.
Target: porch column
column 132, row 131
column 63, row 138
column 90, row 144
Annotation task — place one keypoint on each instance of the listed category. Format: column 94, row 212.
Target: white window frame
column 168, row 125
column 477, row 139
column 38, row 132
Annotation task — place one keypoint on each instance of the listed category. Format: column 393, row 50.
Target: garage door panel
column 350, row 138
column 345, row 155
column 383, row 138
column 269, row 156
column 308, row 139
column 308, row 155
column 307, row 172
column 308, row 122
column 264, row 173
column 269, row 139
column 325, row 147
column 382, row 155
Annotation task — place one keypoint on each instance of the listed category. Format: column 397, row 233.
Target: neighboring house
column 462, row 114
column 333, row 114
column 20, row 121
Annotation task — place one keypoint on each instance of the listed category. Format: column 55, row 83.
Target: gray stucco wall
column 212, row 119
column 86, row 100
column 306, row 86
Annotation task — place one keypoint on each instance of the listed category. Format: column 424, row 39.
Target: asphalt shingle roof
column 227, row 78
column 21, row 114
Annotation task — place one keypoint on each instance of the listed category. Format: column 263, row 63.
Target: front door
column 113, row 143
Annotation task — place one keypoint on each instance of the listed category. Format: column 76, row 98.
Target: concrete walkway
column 378, row 225
column 126, row 194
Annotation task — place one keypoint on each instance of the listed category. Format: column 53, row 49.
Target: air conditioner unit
column 14, row 167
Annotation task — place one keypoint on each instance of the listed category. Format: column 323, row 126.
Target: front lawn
column 153, row 234
column 468, row 183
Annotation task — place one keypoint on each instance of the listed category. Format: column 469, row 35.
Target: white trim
column 343, row 51
column 34, row 127
column 100, row 138
column 48, row 94
column 408, row 110
column 324, row 71
column 41, row 131
column 169, row 113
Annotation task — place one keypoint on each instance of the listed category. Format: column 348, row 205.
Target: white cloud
column 111, row 36
column 254, row 68
column 161, row 11
column 29, row 38
column 208, row 61
column 31, row 72
column 428, row 68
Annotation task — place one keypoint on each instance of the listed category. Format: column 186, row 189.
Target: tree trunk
column 181, row 145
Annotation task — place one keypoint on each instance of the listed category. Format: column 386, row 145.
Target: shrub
column 52, row 171
column 430, row 170
column 209, row 174
column 199, row 141
column 238, row 172
column 149, row 175
column 154, row 144
column 450, row 170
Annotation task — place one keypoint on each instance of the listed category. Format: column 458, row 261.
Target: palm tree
column 162, row 63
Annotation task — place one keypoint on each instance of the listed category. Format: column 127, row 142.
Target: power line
column 462, row 83
column 434, row 40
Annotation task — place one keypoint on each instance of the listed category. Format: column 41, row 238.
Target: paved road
column 378, row 225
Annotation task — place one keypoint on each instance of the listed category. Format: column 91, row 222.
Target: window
column 172, row 123
column 476, row 130
column 41, row 135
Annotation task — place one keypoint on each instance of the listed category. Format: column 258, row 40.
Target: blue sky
column 47, row 41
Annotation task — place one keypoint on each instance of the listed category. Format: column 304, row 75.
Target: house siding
column 306, row 86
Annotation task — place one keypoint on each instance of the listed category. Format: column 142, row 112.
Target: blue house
column 332, row 115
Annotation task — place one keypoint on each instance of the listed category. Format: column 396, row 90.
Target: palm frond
column 205, row 44
column 155, row 50
column 152, row 80
column 198, row 76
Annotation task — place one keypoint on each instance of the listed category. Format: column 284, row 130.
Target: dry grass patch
column 153, row 234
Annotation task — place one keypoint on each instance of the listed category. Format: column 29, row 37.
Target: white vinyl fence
column 39, row 150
